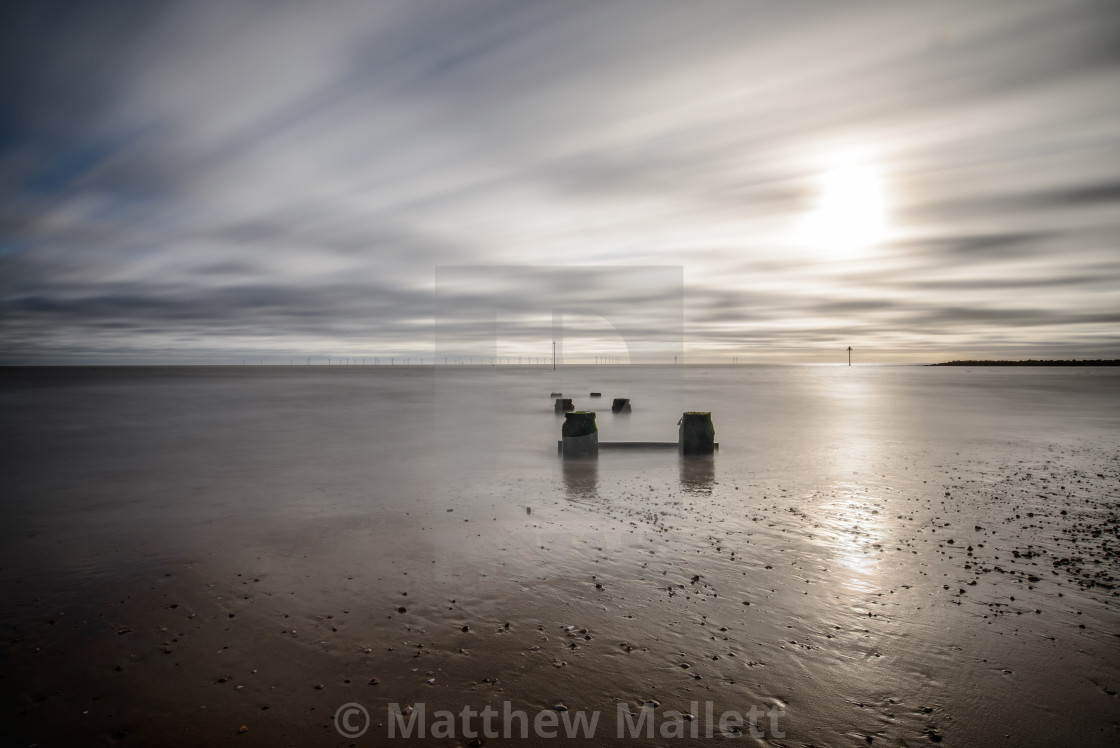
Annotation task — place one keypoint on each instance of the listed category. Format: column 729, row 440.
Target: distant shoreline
column 1033, row 362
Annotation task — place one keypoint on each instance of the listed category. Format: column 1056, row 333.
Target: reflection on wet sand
column 698, row 474
column 847, row 554
column 581, row 477
column 852, row 528
column 851, row 525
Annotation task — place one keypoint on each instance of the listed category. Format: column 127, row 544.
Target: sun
column 850, row 213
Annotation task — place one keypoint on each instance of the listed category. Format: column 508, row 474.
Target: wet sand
column 904, row 594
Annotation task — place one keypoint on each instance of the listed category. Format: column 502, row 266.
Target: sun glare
column 850, row 213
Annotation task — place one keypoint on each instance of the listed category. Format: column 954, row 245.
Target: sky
column 212, row 182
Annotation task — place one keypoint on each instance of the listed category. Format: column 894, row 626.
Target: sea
column 841, row 501
column 141, row 457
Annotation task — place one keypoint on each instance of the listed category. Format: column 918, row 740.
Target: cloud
column 195, row 178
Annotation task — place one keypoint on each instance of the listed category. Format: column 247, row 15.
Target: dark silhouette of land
column 1032, row 362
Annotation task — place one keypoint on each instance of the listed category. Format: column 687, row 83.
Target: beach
column 886, row 555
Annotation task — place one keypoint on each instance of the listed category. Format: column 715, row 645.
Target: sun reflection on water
column 853, row 529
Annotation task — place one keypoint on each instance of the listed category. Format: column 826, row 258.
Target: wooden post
column 580, row 435
column 697, row 435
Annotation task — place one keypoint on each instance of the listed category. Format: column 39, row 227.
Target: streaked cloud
column 206, row 181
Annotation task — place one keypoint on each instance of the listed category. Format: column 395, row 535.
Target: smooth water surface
column 927, row 551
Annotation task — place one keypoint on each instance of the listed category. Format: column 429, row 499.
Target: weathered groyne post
column 620, row 405
column 564, row 405
column 697, row 435
column 580, row 435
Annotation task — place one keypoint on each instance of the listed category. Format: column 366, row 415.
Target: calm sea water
column 926, row 552
column 119, row 466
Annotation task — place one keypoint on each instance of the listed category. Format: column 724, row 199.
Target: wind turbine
column 849, row 355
